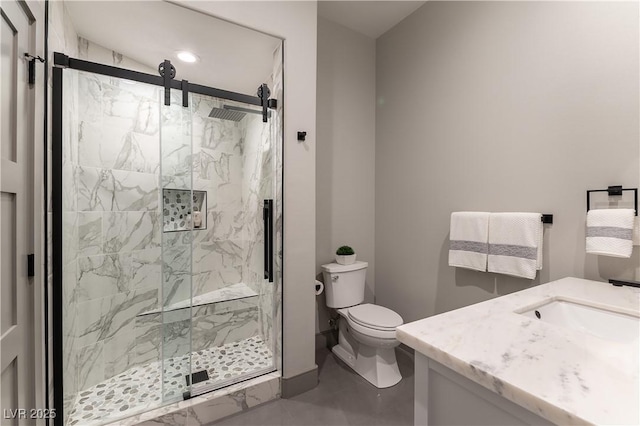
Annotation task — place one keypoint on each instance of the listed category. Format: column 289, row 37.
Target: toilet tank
column 344, row 284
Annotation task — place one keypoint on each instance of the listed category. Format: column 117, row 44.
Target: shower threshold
column 140, row 388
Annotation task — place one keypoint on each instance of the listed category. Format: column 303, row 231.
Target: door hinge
column 31, row 265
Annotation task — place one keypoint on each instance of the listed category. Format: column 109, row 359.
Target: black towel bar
column 615, row 191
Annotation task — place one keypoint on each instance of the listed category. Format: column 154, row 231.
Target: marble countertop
column 561, row 374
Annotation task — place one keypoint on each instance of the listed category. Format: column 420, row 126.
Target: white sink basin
column 598, row 322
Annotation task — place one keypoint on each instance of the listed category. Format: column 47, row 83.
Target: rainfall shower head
column 232, row 113
column 227, row 114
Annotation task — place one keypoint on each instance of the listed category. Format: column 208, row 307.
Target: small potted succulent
column 345, row 255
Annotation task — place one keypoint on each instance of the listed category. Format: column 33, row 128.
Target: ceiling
column 371, row 18
column 232, row 57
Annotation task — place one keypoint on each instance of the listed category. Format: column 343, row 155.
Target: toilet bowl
column 366, row 332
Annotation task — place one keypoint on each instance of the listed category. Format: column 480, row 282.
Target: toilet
column 367, row 332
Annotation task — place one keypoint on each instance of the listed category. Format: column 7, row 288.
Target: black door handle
column 267, row 217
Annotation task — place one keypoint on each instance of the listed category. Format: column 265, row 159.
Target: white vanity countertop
column 561, row 374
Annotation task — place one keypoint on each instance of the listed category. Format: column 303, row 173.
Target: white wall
column 345, row 153
column 499, row 106
column 296, row 23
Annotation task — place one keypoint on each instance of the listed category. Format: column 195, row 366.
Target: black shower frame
column 62, row 61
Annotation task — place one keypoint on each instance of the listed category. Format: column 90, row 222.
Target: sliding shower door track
column 199, row 391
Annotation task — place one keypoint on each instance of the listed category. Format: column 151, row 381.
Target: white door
column 17, row 390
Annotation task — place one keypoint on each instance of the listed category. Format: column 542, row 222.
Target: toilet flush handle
column 335, row 278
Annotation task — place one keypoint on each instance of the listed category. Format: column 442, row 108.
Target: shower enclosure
column 166, row 229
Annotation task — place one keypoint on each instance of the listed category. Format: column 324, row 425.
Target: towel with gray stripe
column 610, row 232
column 468, row 240
column 515, row 244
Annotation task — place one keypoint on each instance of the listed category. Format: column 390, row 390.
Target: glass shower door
column 233, row 175
column 178, row 211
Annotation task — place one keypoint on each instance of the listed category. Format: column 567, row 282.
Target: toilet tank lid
column 337, row 268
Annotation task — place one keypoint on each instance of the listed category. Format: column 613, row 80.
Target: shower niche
column 183, row 210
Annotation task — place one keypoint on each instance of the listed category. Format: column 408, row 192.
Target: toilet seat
column 374, row 316
column 372, row 332
column 374, row 321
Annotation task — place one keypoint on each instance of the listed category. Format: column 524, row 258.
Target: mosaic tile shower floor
column 140, row 388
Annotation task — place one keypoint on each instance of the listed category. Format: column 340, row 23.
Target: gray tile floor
column 341, row 398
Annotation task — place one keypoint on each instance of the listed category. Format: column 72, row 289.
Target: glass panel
column 233, row 164
column 111, row 249
column 177, row 217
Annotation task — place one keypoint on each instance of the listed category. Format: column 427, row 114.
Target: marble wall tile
column 131, row 231
column 120, row 314
column 104, row 318
column 178, row 418
column 176, row 339
column 234, row 402
column 140, row 153
column 90, row 328
column 218, row 408
column 219, row 135
column 69, row 321
column 120, row 352
column 222, row 168
column 90, row 365
column 221, row 323
column 176, row 182
column 70, row 189
column 177, row 159
column 70, row 237
column 145, row 269
column 124, row 108
column 107, row 147
column 176, row 271
column 218, row 264
column 148, row 332
column 262, row 392
column 102, row 275
column 70, row 119
column 90, row 99
column 89, row 233
column 225, row 216
column 116, row 190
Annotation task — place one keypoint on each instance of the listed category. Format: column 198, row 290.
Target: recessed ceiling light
column 185, row 56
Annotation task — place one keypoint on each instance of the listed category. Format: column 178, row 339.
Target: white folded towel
column 468, row 238
column 610, row 232
column 515, row 244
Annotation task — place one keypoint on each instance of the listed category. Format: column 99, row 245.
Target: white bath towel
column 468, row 240
column 515, row 244
column 610, row 232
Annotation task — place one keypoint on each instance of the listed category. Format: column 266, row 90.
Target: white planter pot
column 346, row 260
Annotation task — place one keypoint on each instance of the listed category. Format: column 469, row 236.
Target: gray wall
column 345, row 152
column 295, row 22
column 499, row 106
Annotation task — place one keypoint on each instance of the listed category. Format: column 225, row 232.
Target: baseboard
column 301, row 383
column 326, row 339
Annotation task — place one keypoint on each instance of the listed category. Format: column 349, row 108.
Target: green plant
column 345, row 251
